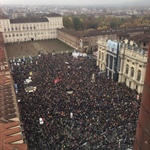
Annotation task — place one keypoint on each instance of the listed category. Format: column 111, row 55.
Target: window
column 12, row 28
column 31, row 28
column 127, row 69
column 13, row 35
column 132, row 72
column 99, row 54
column 102, row 56
column 5, row 35
column 125, row 80
column 139, row 75
column 9, row 35
column 130, row 84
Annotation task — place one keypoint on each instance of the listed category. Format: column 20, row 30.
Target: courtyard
column 18, row 50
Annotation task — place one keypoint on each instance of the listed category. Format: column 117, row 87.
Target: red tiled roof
column 10, row 131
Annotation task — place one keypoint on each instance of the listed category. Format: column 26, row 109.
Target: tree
column 113, row 24
column 76, row 23
column 67, row 22
column 104, row 27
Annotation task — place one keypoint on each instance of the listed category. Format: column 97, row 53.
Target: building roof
column 10, row 129
column 140, row 38
column 123, row 31
column 28, row 20
column 42, row 18
column 52, row 15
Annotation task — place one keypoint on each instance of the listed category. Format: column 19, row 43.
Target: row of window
column 13, row 35
column 29, row 28
column 132, row 72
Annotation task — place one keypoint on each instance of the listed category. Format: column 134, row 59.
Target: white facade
column 132, row 67
column 132, row 63
column 102, row 52
column 30, row 30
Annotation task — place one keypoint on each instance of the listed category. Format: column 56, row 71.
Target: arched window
column 127, row 69
column 139, row 75
column 132, row 71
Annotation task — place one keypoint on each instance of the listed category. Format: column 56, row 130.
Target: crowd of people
column 78, row 112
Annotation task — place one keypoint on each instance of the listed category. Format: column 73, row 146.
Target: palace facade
column 30, row 29
column 125, row 59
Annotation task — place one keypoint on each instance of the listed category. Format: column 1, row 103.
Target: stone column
column 142, row 140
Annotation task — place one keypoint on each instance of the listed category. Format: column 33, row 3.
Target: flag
column 57, row 80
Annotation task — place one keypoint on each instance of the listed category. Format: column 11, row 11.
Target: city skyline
column 72, row 2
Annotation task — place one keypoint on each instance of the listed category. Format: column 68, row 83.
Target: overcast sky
column 64, row 2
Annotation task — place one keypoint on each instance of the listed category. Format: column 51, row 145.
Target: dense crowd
column 78, row 113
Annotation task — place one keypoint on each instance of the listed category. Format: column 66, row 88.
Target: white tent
column 30, row 89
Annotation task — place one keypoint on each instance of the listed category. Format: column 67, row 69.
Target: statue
column 93, row 78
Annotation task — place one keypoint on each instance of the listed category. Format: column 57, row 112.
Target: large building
column 30, row 29
column 86, row 41
column 124, row 60
column 133, row 55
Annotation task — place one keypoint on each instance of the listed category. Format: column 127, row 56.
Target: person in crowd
column 77, row 114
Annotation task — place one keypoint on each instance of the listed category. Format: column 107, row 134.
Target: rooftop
column 10, row 128
column 122, row 31
column 28, row 20
column 42, row 18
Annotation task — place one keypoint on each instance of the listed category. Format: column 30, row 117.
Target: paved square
column 18, row 50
